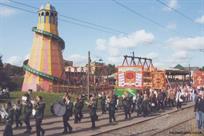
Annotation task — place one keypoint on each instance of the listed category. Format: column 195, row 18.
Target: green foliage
column 105, row 70
column 49, row 98
column 1, row 62
column 111, row 69
column 10, row 76
column 202, row 68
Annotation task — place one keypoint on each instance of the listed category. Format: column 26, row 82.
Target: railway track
column 123, row 130
column 173, row 126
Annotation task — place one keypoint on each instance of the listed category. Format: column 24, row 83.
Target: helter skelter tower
column 45, row 66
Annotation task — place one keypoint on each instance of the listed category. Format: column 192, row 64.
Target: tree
column 5, row 79
column 202, row 68
column 1, row 62
column 111, row 69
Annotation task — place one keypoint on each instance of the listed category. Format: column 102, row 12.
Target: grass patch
column 49, row 98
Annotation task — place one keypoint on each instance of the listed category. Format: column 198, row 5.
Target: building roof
column 176, row 72
column 191, row 68
column 48, row 6
column 179, row 66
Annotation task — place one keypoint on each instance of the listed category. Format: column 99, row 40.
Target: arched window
column 55, row 14
column 42, row 14
column 52, row 14
column 38, row 14
column 47, row 13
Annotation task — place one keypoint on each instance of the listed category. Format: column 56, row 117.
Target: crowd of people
column 144, row 102
column 27, row 107
column 4, row 93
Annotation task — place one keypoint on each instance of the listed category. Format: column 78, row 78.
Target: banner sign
column 158, row 80
column 198, row 78
column 121, row 91
column 130, row 76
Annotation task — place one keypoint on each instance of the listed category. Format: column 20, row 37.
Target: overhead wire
column 147, row 18
column 110, row 29
column 175, row 10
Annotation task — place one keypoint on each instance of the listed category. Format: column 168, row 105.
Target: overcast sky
column 177, row 41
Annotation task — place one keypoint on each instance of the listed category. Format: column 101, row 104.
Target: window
column 42, row 14
column 52, row 14
column 47, row 13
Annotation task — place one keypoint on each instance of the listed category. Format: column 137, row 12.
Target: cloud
column 200, row 20
column 180, row 55
column 192, row 43
column 114, row 60
column 79, row 60
column 159, row 65
column 171, row 26
column 27, row 57
column 114, row 45
column 114, row 52
column 121, row 41
column 172, row 4
column 100, row 44
column 16, row 60
column 152, row 55
column 131, row 40
column 181, row 49
column 5, row 11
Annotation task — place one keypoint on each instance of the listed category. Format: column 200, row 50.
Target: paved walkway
column 54, row 126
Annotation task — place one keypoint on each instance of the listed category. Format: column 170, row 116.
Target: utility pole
column 88, row 74
column 189, row 69
column 133, row 54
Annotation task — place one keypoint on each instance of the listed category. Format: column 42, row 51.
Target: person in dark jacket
column 199, row 109
column 8, row 131
column 145, row 106
column 130, row 101
column 76, row 111
column 114, row 100
column 133, row 103
column 153, row 102
column 18, row 112
column 139, row 99
column 81, row 106
column 69, row 107
column 111, row 108
column 126, row 106
column 103, row 103
column 28, row 107
column 39, row 115
column 92, row 111
column 160, row 100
